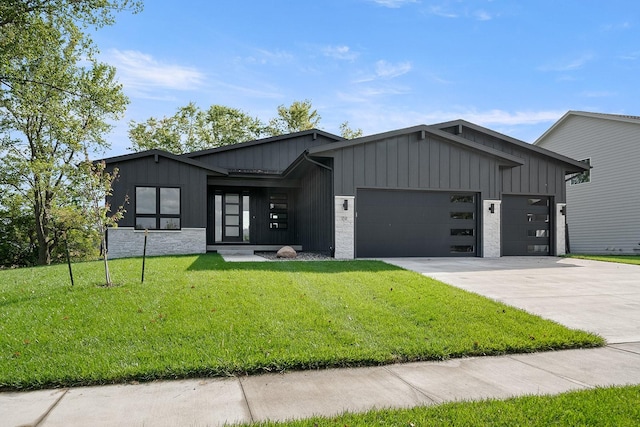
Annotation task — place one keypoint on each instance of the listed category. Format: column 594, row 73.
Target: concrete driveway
column 594, row 296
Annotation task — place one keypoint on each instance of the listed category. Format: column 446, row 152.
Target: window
column 462, row 198
column 582, row 176
column 461, row 249
column 462, row 231
column 157, row 208
column 537, row 217
column 461, row 215
column 278, row 212
column 538, row 249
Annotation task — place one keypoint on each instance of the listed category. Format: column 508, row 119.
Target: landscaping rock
column 286, row 252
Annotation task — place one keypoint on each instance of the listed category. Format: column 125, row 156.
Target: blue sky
column 513, row 66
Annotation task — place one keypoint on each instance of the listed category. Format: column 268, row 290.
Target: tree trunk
column 42, row 232
column 107, row 275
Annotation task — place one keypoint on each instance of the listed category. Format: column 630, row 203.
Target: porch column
column 491, row 238
column 561, row 229
column 345, row 227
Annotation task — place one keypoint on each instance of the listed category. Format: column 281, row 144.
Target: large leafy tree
column 192, row 129
column 56, row 101
column 299, row 116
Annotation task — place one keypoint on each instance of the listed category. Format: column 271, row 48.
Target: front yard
column 199, row 316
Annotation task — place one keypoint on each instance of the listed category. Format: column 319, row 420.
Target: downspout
column 305, row 155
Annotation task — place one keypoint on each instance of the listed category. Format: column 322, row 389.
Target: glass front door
column 232, row 217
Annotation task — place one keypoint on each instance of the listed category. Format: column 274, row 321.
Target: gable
column 506, row 144
column 415, row 158
column 269, row 155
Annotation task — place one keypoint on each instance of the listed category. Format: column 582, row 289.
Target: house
column 454, row 189
column 604, row 203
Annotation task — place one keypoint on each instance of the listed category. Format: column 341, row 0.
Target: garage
column 402, row 223
column 526, row 225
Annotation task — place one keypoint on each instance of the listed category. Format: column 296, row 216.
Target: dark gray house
column 451, row 189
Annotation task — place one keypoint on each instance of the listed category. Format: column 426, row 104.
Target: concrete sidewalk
column 573, row 292
column 210, row 402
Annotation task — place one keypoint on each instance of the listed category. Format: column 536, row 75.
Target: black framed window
column 278, row 212
column 158, row 208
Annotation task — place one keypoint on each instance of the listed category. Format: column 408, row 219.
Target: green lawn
column 613, row 406
column 200, row 316
column 623, row 259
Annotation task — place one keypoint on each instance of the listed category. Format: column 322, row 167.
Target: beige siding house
column 603, row 205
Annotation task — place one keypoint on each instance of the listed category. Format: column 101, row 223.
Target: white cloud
column 442, row 12
column 632, row 56
column 275, row 57
column 340, row 52
column 394, row 3
column 568, row 64
column 482, row 15
column 386, row 70
column 598, row 94
column 501, row 117
column 141, row 72
column 379, row 118
column 622, row 26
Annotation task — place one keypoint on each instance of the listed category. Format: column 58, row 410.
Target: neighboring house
column 453, row 189
column 604, row 203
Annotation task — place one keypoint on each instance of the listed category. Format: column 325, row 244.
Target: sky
column 514, row 66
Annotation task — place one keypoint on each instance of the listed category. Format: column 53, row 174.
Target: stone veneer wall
column 128, row 242
column 345, row 228
column 561, row 230
column 491, row 238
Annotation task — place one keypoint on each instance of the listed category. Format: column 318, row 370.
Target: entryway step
column 235, row 251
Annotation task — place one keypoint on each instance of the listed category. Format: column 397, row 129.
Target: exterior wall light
column 492, row 208
column 345, row 205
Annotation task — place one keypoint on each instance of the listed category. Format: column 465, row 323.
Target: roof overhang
column 157, row 154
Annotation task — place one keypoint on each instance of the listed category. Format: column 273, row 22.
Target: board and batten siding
column 408, row 162
column 539, row 175
column 145, row 171
column 271, row 156
column 603, row 215
column 314, row 207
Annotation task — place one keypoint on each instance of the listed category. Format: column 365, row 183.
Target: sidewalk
column 211, row 402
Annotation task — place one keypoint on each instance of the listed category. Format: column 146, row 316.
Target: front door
column 232, row 217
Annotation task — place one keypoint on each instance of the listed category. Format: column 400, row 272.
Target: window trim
column 158, row 216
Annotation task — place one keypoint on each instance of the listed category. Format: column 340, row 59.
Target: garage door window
column 461, row 215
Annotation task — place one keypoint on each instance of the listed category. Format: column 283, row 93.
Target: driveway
column 594, row 296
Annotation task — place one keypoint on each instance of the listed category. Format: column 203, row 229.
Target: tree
column 297, row 117
column 348, row 133
column 95, row 187
column 17, row 35
column 192, row 129
column 53, row 108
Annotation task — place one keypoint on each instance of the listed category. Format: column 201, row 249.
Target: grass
column 199, row 316
column 622, row 259
column 612, row 406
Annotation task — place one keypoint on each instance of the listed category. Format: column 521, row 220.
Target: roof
column 314, row 132
column 167, row 155
column 525, row 145
column 615, row 117
column 505, row 158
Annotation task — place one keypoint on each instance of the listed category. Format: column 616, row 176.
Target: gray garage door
column 393, row 223
column 526, row 225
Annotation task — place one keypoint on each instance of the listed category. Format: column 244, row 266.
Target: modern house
column 604, row 203
column 454, row 189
